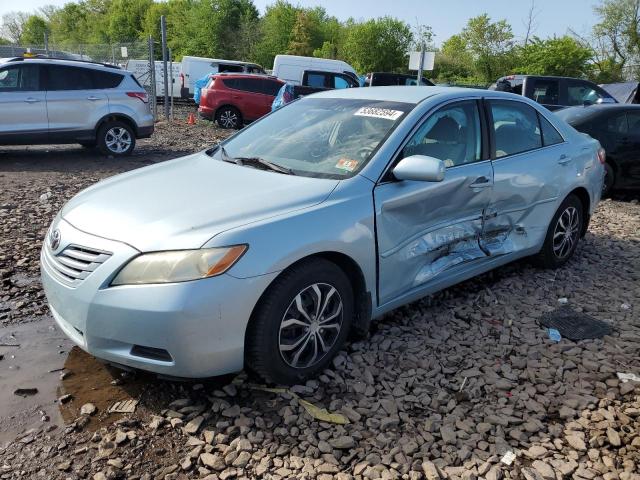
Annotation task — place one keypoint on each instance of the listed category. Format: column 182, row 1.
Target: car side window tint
column 316, row 80
column 546, row 91
column 452, row 134
column 579, row 93
column 271, row 87
column 340, row 82
column 68, row 78
column 633, row 122
column 617, row 124
column 550, row 136
column 20, row 78
column 106, row 79
column 515, row 127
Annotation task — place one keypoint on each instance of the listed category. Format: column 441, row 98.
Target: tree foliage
column 484, row 50
column 554, row 56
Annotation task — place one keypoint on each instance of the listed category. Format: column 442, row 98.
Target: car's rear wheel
column 563, row 234
column 116, row 138
column 229, row 117
column 609, row 179
column 301, row 322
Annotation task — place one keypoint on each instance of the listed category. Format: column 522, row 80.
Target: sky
column 446, row 17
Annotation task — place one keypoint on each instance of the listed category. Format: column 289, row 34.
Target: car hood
column 182, row 203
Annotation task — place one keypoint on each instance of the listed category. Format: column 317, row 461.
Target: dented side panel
column 426, row 228
column 526, row 192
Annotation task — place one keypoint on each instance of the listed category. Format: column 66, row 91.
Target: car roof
column 245, row 75
column 58, row 61
column 406, row 94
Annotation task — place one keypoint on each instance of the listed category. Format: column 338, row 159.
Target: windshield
column 318, row 137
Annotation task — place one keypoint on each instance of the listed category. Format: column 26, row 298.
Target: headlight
column 178, row 265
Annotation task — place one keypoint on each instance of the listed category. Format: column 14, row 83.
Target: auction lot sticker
column 347, row 164
column 379, row 113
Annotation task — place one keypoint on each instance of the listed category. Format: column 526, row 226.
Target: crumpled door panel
column 426, row 228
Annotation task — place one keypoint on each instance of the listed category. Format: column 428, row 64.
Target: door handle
column 480, row 182
column 31, row 100
column 92, row 98
column 564, row 159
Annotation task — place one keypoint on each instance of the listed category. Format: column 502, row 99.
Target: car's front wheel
column 229, row 117
column 301, row 322
column 563, row 234
column 116, row 138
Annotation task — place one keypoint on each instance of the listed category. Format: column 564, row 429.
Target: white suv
column 46, row 100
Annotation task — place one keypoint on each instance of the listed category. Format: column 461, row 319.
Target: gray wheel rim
column 118, row 139
column 228, row 119
column 565, row 234
column 310, row 326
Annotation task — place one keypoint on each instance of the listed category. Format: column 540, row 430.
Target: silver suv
column 46, row 100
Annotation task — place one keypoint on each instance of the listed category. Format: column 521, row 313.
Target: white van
column 314, row 72
column 140, row 68
column 194, row 68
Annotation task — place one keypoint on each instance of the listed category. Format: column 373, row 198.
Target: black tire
column 229, row 117
column 110, row 144
column 609, row 180
column 554, row 252
column 267, row 336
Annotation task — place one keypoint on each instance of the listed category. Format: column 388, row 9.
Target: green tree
column 300, row 43
column 126, row 19
column 562, row 56
column 277, row 24
column 379, row 44
column 34, row 30
column 491, row 46
column 4, row 41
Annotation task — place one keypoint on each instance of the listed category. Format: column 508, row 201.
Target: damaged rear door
column 424, row 229
column 532, row 164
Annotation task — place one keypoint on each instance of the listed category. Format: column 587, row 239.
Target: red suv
column 233, row 99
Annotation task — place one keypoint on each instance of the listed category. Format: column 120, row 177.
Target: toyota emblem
column 54, row 239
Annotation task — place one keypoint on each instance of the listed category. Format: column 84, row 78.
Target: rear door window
column 20, row 78
column 550, row 136
column 253, row 85
column 617, row 124
column 515, row 127
column 61, row 77
column 316, row 79
column 546, row 92
column 633, row 122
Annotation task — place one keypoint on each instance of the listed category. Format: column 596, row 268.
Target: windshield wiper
column 256, row 162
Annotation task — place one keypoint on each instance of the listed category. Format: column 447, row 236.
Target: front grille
column 74, row 263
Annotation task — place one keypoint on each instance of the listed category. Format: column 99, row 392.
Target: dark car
column 380, row 79
column 233, row 99
column 554, row 92
column 617, row 128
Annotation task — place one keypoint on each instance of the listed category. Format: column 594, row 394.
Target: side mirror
column 420, row 168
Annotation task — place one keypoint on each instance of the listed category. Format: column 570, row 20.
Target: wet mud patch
column 88, row 380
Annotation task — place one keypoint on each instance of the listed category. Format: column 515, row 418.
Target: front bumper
column 199, row 325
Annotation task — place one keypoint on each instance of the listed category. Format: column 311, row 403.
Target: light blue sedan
column 266, row 251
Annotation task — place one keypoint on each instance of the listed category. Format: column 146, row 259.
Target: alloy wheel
column 118, row 139
column 311, row 325
column 228, row 119
column 565, row 234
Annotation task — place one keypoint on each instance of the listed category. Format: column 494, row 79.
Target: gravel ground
column 442, row 388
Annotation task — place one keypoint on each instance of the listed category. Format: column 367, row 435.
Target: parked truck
column 554, row 92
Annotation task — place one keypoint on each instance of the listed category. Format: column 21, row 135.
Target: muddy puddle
column 33, row 355
column 39, row 362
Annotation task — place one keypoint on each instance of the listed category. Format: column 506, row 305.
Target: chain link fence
column 139, row 57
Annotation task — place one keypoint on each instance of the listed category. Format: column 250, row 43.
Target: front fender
column 344, row 223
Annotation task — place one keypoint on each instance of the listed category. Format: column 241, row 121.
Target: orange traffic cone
column 191, row 119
